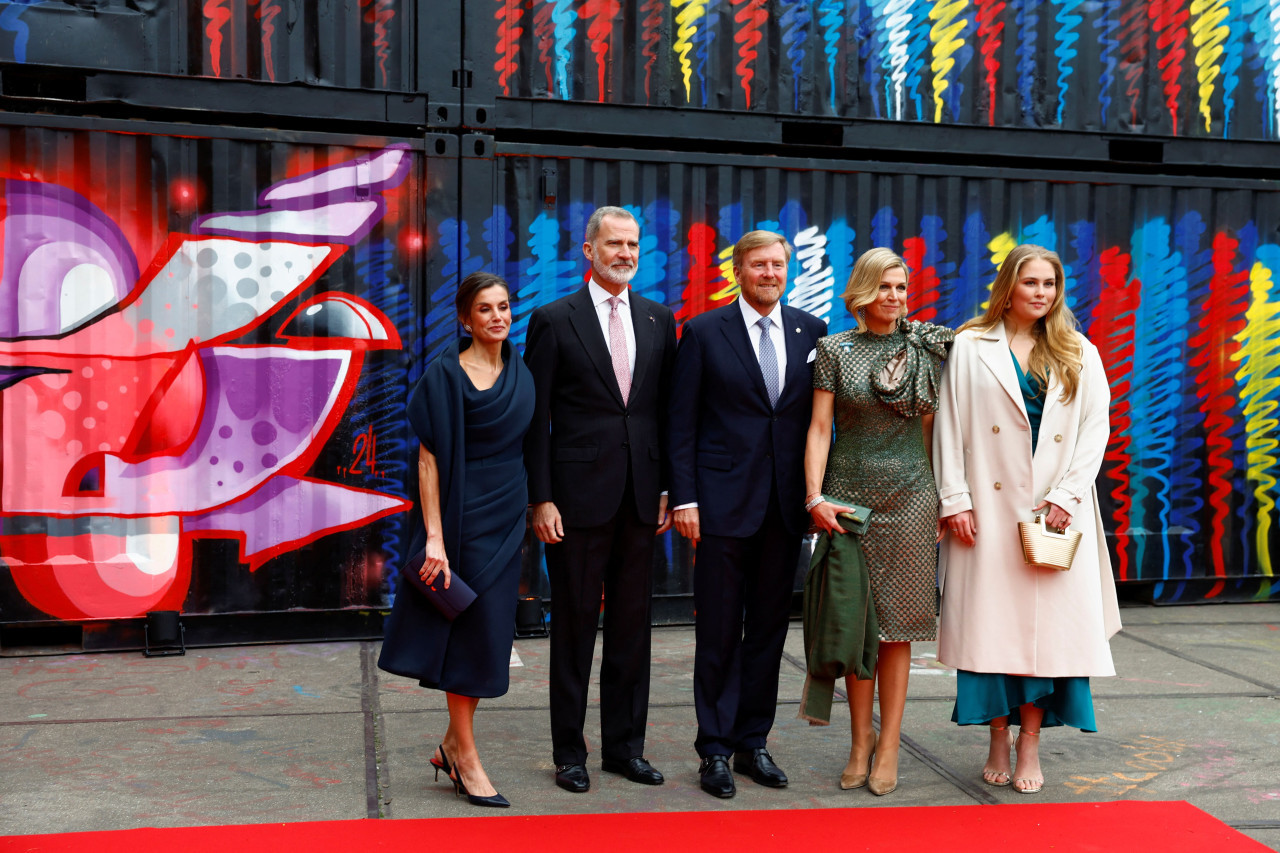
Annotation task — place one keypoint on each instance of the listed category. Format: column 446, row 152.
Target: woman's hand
column 436, row 563
column 824, row 516
column 1057, row 517
column 962, row 526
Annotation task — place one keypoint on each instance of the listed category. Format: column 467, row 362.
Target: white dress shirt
column 776, row 334
column 600, row 299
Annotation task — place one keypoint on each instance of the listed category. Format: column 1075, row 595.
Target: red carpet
column 1175, row 827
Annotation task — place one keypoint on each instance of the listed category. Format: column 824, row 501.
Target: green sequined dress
column 883, row 385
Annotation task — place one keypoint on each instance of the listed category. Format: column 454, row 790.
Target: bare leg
column 1030, row 778
column 460, row 745
column 997, row 770
column 861, row 696
column 892, row 669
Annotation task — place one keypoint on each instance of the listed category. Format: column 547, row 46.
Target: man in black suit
column 601, row 361
column 741, row 395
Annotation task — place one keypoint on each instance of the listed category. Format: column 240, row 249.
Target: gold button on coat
column 1057, row 438
column 997, row 487
column 995, row 429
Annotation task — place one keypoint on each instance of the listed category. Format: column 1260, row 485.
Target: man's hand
column 547, row 525
column 687, row 525
column 664, row 518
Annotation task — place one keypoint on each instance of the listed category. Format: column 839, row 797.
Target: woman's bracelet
column 812, row 502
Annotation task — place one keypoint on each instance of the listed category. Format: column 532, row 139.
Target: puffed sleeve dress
column 883, row 386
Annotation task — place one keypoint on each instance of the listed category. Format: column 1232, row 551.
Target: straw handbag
column 1047, row 548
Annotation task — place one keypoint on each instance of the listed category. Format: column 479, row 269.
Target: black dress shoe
column 573, row 778
column 758, row 764
column 716, row 778
column 635, row 769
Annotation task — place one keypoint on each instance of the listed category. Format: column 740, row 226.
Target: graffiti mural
column 1204, row 68
column 1177, row 287
column 365, row 44
column 143, row 409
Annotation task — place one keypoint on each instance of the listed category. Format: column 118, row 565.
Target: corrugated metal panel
column 1174, row 282
column 1175, row 67
column 354, row 44
column 202, row 369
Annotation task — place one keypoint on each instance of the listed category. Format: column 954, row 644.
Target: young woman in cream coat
column 1021, row 429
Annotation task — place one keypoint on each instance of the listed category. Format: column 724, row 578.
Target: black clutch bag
column 450, row 602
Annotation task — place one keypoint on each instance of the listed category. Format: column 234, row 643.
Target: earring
column 466, row 328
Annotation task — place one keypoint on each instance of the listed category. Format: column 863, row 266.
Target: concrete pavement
column 281, row 733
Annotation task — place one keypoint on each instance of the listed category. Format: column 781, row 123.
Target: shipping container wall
column 204, row 356
column 1175, row 283
column 356, row 44
column 1169, row 67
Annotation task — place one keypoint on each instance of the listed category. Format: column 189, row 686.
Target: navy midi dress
column 477, row 438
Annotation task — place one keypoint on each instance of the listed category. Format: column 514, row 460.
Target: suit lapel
column 586, row 324
column 646, row 329
column 995, row 354
column 797, row 352
column 735, row 329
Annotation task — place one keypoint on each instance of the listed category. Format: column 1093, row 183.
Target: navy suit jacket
column 728, row 446
column 583, row 436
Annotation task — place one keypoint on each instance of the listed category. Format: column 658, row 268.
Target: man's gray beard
column 615, row 276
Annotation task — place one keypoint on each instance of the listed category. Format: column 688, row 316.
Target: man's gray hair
column 593, row 224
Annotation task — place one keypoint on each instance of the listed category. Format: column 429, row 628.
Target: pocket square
column 813, row 353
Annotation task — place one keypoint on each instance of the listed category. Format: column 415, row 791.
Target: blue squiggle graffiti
column 564, row 18
column 1258, row 14
column 795, row 21
column 1026, row 50
column 840, row 246
column 884, row 228
column 831, row 18
column 706, row 36
column 1186, row 481
column 1108, row 22
column 11, row 22
column 1232, row 59
column 1068, row 20
column 1159, row 335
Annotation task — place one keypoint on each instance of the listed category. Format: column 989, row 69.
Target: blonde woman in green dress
column 878, row 384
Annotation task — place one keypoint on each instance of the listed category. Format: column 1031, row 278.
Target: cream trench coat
column 998, row 613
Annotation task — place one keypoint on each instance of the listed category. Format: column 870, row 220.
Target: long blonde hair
column 1057, row 348
column 864, row 281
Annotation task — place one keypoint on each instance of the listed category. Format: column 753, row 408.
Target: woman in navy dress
column 470, row 410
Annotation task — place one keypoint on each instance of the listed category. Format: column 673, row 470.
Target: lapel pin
column 797, row 330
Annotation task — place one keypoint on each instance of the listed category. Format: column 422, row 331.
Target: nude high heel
column 992, row 777
column 849, row 781
column 1037, row 784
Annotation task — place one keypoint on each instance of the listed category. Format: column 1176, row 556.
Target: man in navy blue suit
column 741, row 394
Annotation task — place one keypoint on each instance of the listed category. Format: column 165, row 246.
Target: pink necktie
column 618, row 348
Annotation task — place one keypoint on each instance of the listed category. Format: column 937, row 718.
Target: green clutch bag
column 858, row 521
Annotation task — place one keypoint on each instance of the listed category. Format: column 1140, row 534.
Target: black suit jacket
column 728, row 445
column 583, row 436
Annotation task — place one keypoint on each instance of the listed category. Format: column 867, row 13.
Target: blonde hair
column 1057, row 345
column 864, row 281
column 757, row 240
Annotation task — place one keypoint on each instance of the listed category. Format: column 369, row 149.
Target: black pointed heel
column 497, row 801
column 442, row 764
